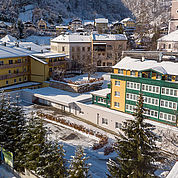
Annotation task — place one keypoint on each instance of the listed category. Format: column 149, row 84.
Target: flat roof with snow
column 164, row 67
column 102, row 93
column 101, row 20
column 108, row 37
column 59, row 96
column 49, row 55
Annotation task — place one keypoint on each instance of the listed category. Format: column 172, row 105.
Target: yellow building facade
column 18, row 67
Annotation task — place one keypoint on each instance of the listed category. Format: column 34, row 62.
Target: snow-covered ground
column 83, row 77
column 72, row 138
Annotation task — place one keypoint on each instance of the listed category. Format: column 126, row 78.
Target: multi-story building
column 158, row 81
column 104, row 49
column 173, row 23
column 19, row 65
column 101, row 25
column 168, row 43
column 129, row 25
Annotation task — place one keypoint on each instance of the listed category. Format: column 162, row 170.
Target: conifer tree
column 12, row 127
column 54, row 161
column 35, row 143
column 78, row 167
column 135, row 147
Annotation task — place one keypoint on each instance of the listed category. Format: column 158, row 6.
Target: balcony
column 57, row 63
column 8, row 76
column 7, row 66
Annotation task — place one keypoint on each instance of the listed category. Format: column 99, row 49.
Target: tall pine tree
column 78, row 167
column 35, row 141
column 54, row 163
column 136, row 148
column 12, row 127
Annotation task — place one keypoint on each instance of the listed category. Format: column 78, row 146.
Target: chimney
column 143, row 58
column 17, row 44
column 160, row 57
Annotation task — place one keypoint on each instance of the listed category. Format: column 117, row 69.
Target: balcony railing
column 8, row 76
column 6, row 66
column 57, row 63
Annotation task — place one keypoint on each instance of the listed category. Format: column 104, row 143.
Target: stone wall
column 76, row 88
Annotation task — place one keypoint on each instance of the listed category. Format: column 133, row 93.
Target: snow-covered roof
column 72, row 38
column 62, row 26
column 174, row 171
column 49, row 55
column 102, row 93
column 26, row 84
column 173, row 36
column 87, row 22
column 8, row 52
column 8, row 38
column 59, row 96
column 127, row 20
column 108, row 37
column 101, row 20
column 164, row 67
column 38, row 59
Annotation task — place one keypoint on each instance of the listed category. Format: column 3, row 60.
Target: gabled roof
column 72, row 38
column 173, row 36
column 127, row 20
column 164, row 67
column 8, row 38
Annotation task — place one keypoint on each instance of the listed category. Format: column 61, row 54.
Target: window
column 63, row 48
column 9, row 71
column 169, row 104
column 169, row 91
column 116, row 104
column 50, row 69
column 118, row 125
column 169, row 46
column 167, row 117
column 104, row 121
column 83, row 48
column 150, row 88
column 20, row 79
column 88, row 48
column 19, row 60
column 117, row 83
column 73, row 49
column 133, row 85
column 15, row 80
column 25, row 78
column 1, row 62
column 10, row 61
column 117, row 93
column 6, row 82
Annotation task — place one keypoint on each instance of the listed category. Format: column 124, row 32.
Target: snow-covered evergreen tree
column 35, row 143
column 12, row 127
column 78, row 167
column 54, row 161
column 136, row 148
